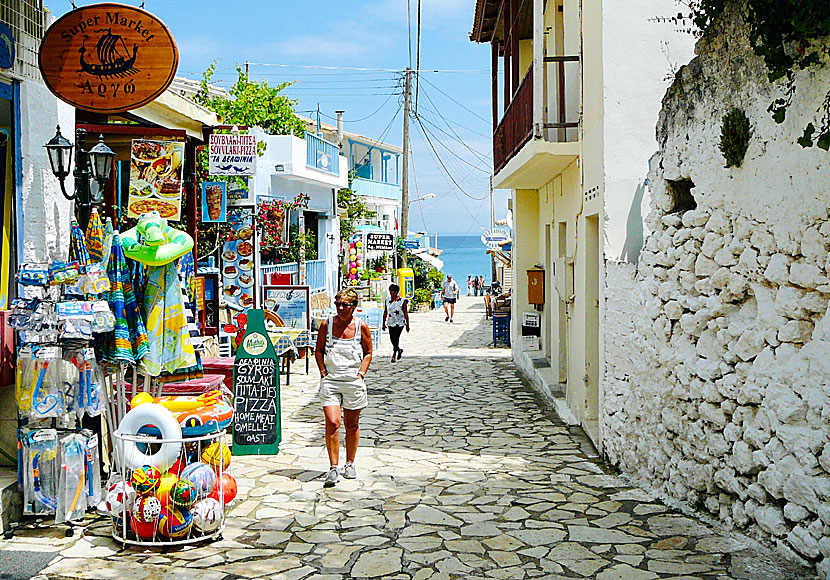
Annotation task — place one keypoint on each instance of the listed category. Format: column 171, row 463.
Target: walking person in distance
column 449, row 295
column 469, row 285
column 396, row 315
column 343, row 354
column 476, row 286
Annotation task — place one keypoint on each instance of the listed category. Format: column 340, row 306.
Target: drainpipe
column 339, row 127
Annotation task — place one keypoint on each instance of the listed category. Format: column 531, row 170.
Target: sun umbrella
column 108, row 231
column 95, row 236
column 170, row 347
column 128, row 342
column 77, row 245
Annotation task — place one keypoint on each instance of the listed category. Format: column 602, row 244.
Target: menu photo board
column 214, row 201
column 257, row 426
column 238, row 274
column 156, row 178
column 290, row 303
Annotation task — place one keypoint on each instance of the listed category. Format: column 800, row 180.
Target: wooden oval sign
column 108, row 58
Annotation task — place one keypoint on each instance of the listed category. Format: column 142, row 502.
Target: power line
column 372, row 114
column 447, row 171
column 456, row 155
column 480, row 156
column 418, row 58
column 366, row 69
column 437, row 111
column 456, row 102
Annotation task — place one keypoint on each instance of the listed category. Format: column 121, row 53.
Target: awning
column 426, row 257
column 176, row 112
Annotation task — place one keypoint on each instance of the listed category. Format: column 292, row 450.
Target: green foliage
column 252, row 104
column 291, row 253
column 422, row 296
column 734, row 137
column 436, row 277
column 421, row 270
column 783, row 33
column 355, row 211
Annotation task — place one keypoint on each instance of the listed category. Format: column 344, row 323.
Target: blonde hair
column 347, row 293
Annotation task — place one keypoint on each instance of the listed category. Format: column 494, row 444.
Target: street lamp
column 95, row 163
column 425, row 196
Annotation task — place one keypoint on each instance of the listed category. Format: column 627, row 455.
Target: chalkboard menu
column 257, row 429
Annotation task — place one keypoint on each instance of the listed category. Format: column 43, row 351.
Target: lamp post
column 95, row 163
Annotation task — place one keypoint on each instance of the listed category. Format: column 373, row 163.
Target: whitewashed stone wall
column 717, row 344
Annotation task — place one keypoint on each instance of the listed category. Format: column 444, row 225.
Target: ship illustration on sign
column 111, row 62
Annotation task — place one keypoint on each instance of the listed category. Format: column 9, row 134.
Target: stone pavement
column 462, row 474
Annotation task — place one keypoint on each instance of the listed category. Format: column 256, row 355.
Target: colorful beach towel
column 170, row 348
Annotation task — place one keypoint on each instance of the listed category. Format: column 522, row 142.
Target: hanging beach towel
column 95, row 237
column 170, row 348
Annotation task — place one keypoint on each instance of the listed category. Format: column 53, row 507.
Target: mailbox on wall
column 536, row 286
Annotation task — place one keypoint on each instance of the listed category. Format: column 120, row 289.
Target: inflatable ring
column 207, row 418
column 160, row 244
column 168, row 427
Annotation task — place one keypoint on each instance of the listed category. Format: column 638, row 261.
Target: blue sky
column 454, row 107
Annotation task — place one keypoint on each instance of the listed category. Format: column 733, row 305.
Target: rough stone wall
column 717, row 344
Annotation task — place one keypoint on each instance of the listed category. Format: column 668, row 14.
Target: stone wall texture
column 717, row 343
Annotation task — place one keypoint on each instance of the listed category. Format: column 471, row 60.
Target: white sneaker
column 349, row 471
column 332, row 477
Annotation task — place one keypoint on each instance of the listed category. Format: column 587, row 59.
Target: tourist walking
column 477, row 286
column 343, row 354
column 449, row 295
column 469, row 285
column 396, row 315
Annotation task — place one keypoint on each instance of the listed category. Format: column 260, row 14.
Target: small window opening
column 680, row 191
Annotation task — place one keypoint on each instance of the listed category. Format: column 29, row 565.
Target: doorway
column 592, row 258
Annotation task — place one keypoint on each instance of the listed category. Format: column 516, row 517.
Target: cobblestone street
column 461, row 474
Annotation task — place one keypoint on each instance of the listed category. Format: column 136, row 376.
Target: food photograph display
column 238, row 275
column 156, row 178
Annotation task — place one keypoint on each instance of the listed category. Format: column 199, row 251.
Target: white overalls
column 342, row 386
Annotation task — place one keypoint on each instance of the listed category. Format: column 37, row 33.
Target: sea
column 464, row 256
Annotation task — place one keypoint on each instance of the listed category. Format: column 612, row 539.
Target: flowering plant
column 272, row 218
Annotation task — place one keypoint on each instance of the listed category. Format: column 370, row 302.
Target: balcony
column 312, row 160
column 377, row 189
column 322, row 155
column 534, row 142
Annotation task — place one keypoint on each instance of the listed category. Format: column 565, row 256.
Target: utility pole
column 246, row 71
column 407, row 94
column 492, row 205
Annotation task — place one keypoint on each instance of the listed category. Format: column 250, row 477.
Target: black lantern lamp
column 60, row 153
column 95, row 163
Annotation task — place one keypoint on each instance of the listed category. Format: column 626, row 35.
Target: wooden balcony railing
column 516, row 126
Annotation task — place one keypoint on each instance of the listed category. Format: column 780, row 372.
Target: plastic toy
column 183, row 494
column 207, row 515
column 160, row 244
column 46, row 501
column 200, row 475
column 144, row 530
column 145, row 480
column 212, row 453
column 164, row 421
column 227, row 485
column 71, row 499
column 119, row 495
column 174, row 522
column 200, row 415
column 147, row 509
column 168, row 480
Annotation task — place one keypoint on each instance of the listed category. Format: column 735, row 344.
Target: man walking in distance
column 343, row 354
column 449, row 295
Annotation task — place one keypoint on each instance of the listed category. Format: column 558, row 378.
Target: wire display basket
column 178, row 496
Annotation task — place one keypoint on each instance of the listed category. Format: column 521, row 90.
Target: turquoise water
column 464, row 256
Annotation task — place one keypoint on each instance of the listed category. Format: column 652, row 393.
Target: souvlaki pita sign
column 232, row 155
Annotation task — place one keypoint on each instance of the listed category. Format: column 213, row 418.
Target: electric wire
column 372, row 114
column 444, row 166
column 426, row 80
column 418, row 58
column 456, row 155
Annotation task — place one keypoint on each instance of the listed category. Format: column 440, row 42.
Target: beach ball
column 207, row 515
column 353, row 270
column 352, row 264
column 183, row 494
column 146, row 479
column 202, row 476
column 144, row 530
column 358, row 244
column 212, row 453
column 168, row 480
column 119, row 495
column 228, row 486
column 147, row 509
column 174, row 522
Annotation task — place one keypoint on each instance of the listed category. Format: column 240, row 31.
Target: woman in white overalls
column 343, row 354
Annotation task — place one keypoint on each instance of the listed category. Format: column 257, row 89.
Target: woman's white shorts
column 347, row 393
